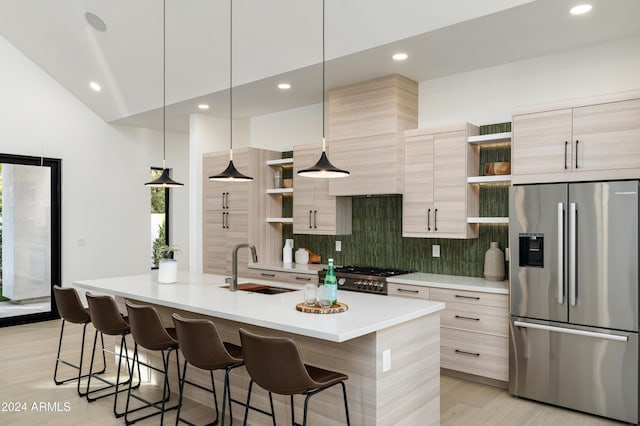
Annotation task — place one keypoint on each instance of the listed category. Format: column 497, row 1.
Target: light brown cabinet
column 234, row 212
column 586, row 142
column 474, row 329
column 282, row 276
column 437, row 199
column 366, row 121
column 314, row 210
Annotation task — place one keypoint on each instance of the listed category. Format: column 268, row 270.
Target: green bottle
column 331, row 281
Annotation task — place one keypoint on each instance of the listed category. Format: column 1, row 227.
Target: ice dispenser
column 531, row 250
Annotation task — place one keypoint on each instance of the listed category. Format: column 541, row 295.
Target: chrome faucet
column 233, row 285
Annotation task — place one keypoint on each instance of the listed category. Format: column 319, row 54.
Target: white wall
column 488, row 95
column 105, row 206
column 280, row 131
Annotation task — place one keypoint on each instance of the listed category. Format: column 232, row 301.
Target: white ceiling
column 280, row 40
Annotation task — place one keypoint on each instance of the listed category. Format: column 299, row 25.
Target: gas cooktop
column 366, row 279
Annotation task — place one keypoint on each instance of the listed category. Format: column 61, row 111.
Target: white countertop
column 452, row 282
column 310, row 269
column 203, row 293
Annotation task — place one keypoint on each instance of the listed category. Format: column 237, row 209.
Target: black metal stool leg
column 273, row 412
column 246, row 410
column 346, row 405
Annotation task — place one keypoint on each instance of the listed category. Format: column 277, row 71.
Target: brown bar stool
column 71, row 310
column 107, row 319
column 274, row 363
column 147, row 331
column 202, row 347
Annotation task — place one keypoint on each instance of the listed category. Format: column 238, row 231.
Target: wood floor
column 28, row 395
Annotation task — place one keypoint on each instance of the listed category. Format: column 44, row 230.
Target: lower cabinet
column 474, row 329
column 282, row 276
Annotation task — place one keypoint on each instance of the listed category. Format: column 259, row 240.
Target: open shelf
column 279, row 220
column 493, row 138
column 280, row 191
column 489, row 179
column 281, row 162
column 488, row 220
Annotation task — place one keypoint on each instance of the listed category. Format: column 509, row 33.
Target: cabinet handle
column 428, row 219
column 458, row 351
column 303, row 278
column 310, row 213
column 264, row 274
column 408, row 291
column 577, row 142
column 227, row 213
column 315, row 218
column 226, row 200
column 467, row 297
column 566, row 144
column 223, row 220
column 222, row 201
column 435, row 220
column 467, row 318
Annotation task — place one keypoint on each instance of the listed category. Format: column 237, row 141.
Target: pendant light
column 231, row 174
column 164, row 181
column 323, row 168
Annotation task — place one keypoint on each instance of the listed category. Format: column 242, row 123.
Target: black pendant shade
column 164, row 181
column 323, row 168
column 231, row 174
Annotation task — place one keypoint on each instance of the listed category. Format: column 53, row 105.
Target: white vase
column 494, row 263
column 167, row 271
column 287, row 252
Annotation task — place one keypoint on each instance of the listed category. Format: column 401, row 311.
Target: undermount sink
column 261, row 288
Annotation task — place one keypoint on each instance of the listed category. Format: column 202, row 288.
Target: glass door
column 30, row 238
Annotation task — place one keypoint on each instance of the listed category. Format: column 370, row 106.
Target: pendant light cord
column 164, row 83
column 323, row 72
column 231, row 77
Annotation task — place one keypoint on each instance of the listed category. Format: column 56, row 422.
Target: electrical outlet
column 338, row 245
column 386, row 360
column 506, row 254
column 435, row 250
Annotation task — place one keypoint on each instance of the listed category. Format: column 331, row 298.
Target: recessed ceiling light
column 203, row 106
column 95, row 86
column 400, row 56
column 284, row 86
column 580, row 9
column 95, row 21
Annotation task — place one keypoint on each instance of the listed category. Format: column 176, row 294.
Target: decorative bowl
column 497, row 168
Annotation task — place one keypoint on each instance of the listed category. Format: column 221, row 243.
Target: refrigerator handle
column 573, row 214
column 595, row 334
column 561, row 253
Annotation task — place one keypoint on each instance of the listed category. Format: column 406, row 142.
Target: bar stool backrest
column 147, row 328
column 69, row 305
column 105, row 315
column 275, row 364
column 201, row 344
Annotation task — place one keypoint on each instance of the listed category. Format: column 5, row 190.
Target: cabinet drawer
column 475, row 353
column 303, row 278
column 265, row 274
column 408, row 290
column 470, row 297
column 478, row 318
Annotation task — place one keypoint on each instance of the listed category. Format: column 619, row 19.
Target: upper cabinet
column 234, row 212
column 437, row 199
column 366, row 124
column 314, row 210
column 578, row 142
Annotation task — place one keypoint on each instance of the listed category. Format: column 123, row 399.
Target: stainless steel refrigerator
column 574, row 296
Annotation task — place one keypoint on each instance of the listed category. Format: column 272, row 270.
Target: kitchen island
column 404, row 389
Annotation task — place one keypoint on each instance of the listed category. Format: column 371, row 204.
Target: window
column 159, row 217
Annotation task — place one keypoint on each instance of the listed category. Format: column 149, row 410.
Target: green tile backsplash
column 377, row 239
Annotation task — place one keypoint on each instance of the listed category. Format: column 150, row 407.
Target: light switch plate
column 386, row 360
column 338, row 245
column 435, row 250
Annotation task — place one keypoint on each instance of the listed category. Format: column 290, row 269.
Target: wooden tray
column 334, row 309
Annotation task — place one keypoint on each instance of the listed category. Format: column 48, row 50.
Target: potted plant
column 167, row 265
